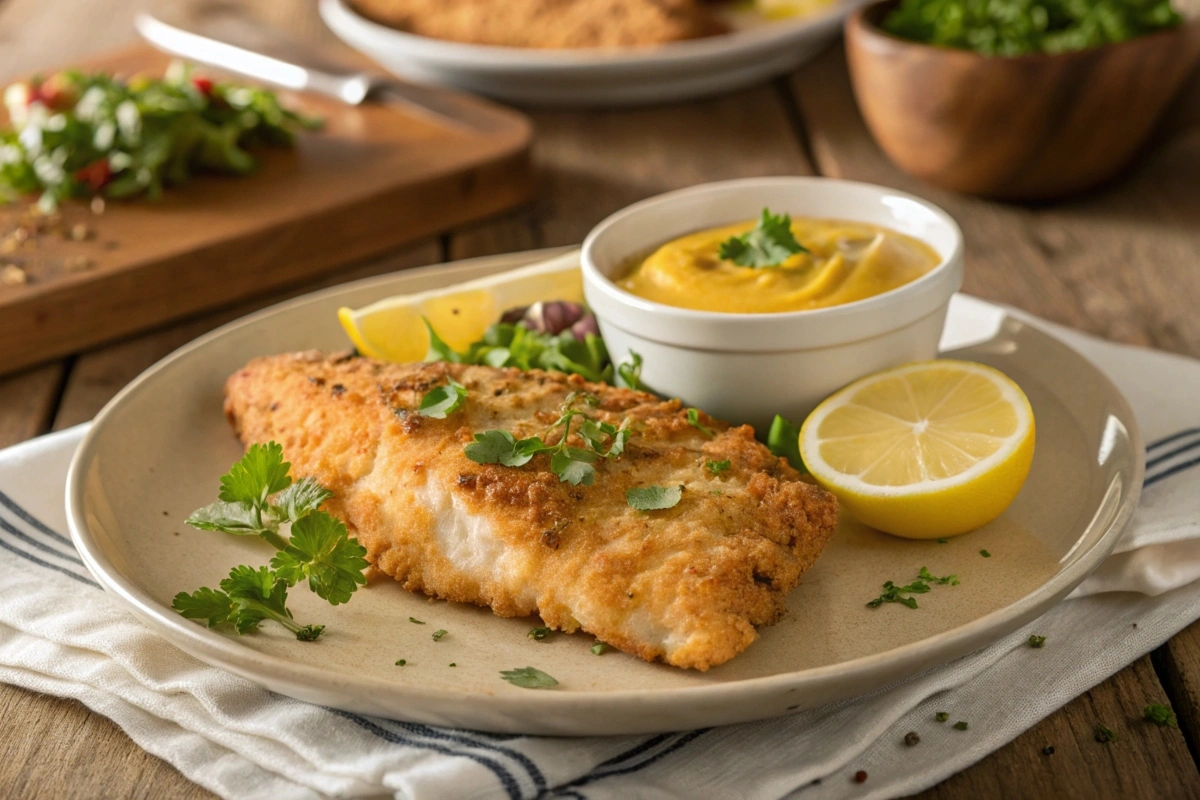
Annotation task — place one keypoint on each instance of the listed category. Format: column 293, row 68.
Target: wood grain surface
column 373, row 178
column 1120, row 264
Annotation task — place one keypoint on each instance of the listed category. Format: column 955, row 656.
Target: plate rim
column 221, row 651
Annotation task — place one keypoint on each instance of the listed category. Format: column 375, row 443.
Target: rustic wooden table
column 1121, row 264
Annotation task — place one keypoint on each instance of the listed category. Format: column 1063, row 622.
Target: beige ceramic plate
column 156, row 451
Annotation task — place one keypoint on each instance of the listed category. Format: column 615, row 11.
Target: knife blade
column 300, row 73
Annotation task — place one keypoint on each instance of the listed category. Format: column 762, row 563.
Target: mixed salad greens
column 1019, row 27
column 75, row 134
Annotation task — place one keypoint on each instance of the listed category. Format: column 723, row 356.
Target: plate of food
column 597, row 52
column 469, row 495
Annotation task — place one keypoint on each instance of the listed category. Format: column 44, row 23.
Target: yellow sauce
column 847, row 261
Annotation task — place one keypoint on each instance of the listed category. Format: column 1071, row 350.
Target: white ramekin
column 749, row 367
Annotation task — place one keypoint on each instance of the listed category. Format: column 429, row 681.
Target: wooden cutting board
column 373, row 178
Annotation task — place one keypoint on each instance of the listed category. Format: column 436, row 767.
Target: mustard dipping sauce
column 847, row 261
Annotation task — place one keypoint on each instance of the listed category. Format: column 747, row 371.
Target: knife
column 301, row 73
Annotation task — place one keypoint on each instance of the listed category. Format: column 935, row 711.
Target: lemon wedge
column 392, row 329
column 925, row 450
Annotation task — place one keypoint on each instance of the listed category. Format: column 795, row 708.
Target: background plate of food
column 156, row 452
column 591, row 52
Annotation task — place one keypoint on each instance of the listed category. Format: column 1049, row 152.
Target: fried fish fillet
column 548, row 23
column 686, row 585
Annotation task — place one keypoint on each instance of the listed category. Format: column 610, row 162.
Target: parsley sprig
column 442, row 401
column 769, row 244
column 602, row 440
column 257, row 497
column 903, row 594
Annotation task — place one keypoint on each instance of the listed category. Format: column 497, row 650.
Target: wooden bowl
column 1033, row 127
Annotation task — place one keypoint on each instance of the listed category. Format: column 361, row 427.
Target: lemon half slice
column 392, row 329
column 931, row 449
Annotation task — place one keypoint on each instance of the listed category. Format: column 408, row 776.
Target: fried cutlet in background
column 687, row 585
column 548, row 23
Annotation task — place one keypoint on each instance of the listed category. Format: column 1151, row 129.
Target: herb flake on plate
column 528, row 678
column 653, row 498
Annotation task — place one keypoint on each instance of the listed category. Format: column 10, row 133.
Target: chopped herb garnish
column 1161, row 715
column 629, row 373
column 401, row 662
column 539, row 634
column 943, row 541
column 653, row 498
column 453, row 664
column 442, row 401
column 985, row 554
column 693, row 418
column 902, row 594
column 528, row 678
column 941, row 716
column 598, row 648
column 960, row 725
column 76, row 134
column 949, row 580
column 415, row 621
column 717, row 467
column 438, row 634
column 783, row 439
column 1105, row 734
column 571, row 464
column 257, row 497
column 1036, row 641
column 769, row 244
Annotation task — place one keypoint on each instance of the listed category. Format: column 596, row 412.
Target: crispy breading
column 548, row 23
column 686, row 585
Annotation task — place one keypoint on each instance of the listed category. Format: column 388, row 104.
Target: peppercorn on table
column 1118, row 263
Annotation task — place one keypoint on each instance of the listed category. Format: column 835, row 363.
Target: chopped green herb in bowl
column 1021, row 27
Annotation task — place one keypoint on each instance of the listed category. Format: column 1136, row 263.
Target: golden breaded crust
column 547, row 23
column 686, row 585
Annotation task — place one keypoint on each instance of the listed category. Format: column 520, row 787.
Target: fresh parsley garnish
column 1105, row 734
column 629, row 373
column 941, row 716
column 598, row 648
column 572, row 465
column 769, row 244
column 415, row 621
column 903, row 594
column 943, row 541
column 783, row 439
column 717, row 467
column 401, row 662
column 1036, row 642
column 528, row 678
column 961, row 725
column 1161, row 715
column 985, row 554
column 257, row 496
column 653, row 498
column 438, row 634
column 539, row 634
column 442, row 401
column 693, row 418
column 506, row 344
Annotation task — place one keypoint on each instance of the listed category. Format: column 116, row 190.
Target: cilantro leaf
column 442, row 401
column 769, row 244
column 260, row 473
column 300, row 499
column 1036, row 642
column 570, row 467
column 949, row 580
column 629, row 373
column 322, row 552
column 257, row 595
column 717, row 467
column 783, row 440
column 204, row 604
column 238, row 519
column 528, row 678
column 491, row 447
column 693, row 418
column 439, row 350
column 539, row 634
column 654, row 498
column 438, row 634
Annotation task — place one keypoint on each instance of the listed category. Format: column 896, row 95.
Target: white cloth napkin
column 60, row 634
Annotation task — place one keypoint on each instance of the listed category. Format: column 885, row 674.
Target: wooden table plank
column 1111, row 265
